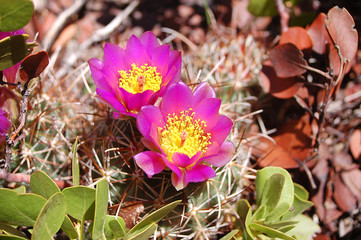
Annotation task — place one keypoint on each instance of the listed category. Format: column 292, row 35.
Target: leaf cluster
column 48, row 209
column 280, row 203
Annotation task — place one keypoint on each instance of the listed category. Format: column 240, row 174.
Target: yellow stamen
column 182, row 133
column 140, row 79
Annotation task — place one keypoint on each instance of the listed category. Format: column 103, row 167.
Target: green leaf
column 50, row 218
column 15, row 14
column 270, row 232
column 230, row 235
column 69, row 229
column 154, row 217
column 75, row 164
column 5, row 237
column 20, row 189
column 11, row 230
column 143, row 233
column 43, row 185
column 244, row 212
column 275, row 190
column 80, row 202
column 101, row 207
column 13, row 49
column 114, row 227
column 15, row 208
column 305, row 228
column 300, row 191
column 262, row 8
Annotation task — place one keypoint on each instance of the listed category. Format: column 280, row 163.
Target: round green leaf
column 142, row 233
column 80, row 202
column 50, row 218
column 114, row 227
column 69, row 228
column 13, row 49
column 270, row 232
column 4, row 237
column 15, row 14
column 43, row 185
column 19, row 209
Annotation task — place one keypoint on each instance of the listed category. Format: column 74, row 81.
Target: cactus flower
column 4, row 125
column 10, row 73
column 130, row 78
column 185, row 134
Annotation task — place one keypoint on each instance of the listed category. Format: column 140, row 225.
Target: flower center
column 140, row 79
column 182, row 133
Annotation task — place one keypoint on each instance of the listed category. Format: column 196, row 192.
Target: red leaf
column 279, row 87
column 340, row 26
column 319, row 34
column 33, row 65
column 355, row 144
column 287, row 60
column 298, row 36
column 293, row 142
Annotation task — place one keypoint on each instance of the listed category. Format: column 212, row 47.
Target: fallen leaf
column 292, row 142
column 287, row 60
column 344, row 199
column 355, row 144
column 129, row 212
column 349, row 177
column 298, row 36
column 319, row 34
column 279, row 87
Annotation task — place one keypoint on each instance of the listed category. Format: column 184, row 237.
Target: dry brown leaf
column 298, row 36
column 355, row 144
column 349, row 177
column 129, row 212
column 287, row 60
column 344, row 199
column 293, row 142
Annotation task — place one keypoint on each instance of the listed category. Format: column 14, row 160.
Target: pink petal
column 226, row 152
column 147, row 116
column 167, row 81
column 159, row 59
column 212, row 149
column 96, row 67
column 202, row 91
column 111, row 100
column 175, row 59
column 149, row 41
column 220, row 132
column 136, row 101
column 150, row 144
column 11, row 73
column 114, row 57
column 178, row 181
column 177, row 98
column 181, row 160
column 208, row 110
column 199, row 173
column 150, row 162
column 135, row 53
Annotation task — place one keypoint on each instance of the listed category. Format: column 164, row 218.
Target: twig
column 284, row 14
column 60, row 23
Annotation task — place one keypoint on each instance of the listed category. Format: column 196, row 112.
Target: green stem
column 82, row 229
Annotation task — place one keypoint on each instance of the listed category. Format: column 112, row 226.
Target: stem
column 81, row 237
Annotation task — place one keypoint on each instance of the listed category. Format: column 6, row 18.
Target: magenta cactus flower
column 4, row 125
column 185, row 134
column 130, row 78
column 10, row 73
